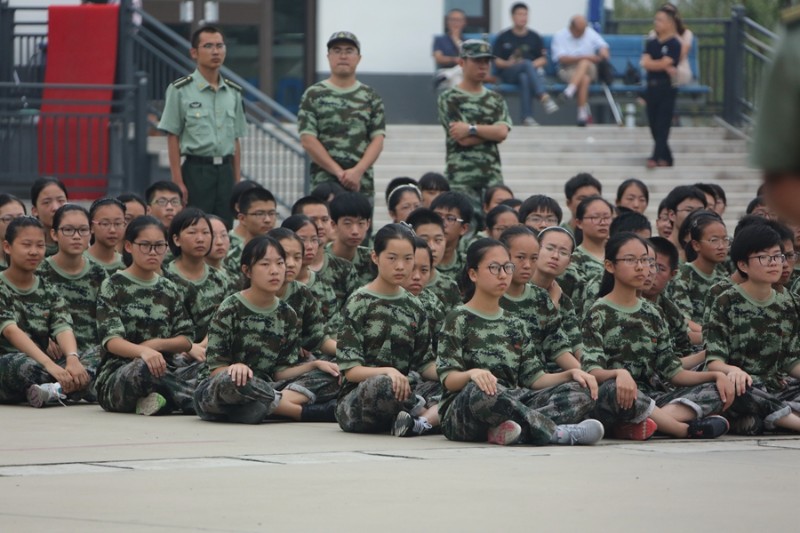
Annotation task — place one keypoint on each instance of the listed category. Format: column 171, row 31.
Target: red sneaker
column 641, row 431
column 505, row 434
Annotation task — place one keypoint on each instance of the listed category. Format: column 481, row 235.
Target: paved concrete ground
column 78, row 468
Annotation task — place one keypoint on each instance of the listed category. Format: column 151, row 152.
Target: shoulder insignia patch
column 234, row 85
column 180, row 82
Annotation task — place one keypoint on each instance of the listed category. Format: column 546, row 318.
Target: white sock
column 569, row 92
column 421, row 425
column 583, row 114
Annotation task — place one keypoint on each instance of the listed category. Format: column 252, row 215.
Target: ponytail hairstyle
column 615, row 242
column 475, row 254
column 255, row 250
column 692, row 229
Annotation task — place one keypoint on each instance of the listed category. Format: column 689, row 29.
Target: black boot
column 319, row 412
column 248, row 413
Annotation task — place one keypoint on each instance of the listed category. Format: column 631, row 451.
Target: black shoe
column 708, row 428
column 319, row 412
column 747, row 425
column 249, row 413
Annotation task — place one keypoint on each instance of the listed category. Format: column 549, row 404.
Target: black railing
column 94, row 152
column 271, row 151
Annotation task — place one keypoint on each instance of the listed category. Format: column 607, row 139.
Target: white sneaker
column 587, row 432
column 46, row 393
column 528, row 121
column 150, row 404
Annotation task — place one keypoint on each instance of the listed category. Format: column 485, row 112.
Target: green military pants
column 209, row 188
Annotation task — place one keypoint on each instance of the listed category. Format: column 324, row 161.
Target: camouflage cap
column 476, row 48
column 344, row 36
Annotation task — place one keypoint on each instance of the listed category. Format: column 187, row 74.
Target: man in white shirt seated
column 578, row 49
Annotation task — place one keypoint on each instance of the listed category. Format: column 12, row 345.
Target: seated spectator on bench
column 578, row 49
column 519, row 55
column 446, row 50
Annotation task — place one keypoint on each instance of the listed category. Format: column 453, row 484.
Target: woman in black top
column 660, row 59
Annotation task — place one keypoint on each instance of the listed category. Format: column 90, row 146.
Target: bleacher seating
column 625, row 49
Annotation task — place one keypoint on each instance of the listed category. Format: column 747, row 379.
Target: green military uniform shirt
column 208, row 122
column 472, row 168
column 345, row 121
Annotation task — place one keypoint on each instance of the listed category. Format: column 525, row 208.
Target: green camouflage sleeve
column 532, row 367
column 350, row 342
column 717, row 330
column 666, row 361
column 181, row 325
column 570, row 323
column 7, row 316
column 308, row 311
column 306, row 115
column 423, row 355
column 289, row 352
column 449, row 354
column 377, row 119
column 678, row 291
column 445, row 115
column 594, row 356
column 220, row 352
column 171, row 118
column 60, row 318
column 556, row 343
column 109, row 321
column 505, row 117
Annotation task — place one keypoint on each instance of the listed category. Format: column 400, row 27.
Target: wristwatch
column 473, row 129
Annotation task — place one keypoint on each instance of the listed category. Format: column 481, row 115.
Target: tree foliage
column 765, row 12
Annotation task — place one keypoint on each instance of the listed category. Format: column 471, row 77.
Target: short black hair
column 326, row 189
column 665, row 247
column 584, row 179
column 518, row 5
column 132, row 197
column 489, row 193
column 495, row 212
column 455, row 200
column 681, row 193
column 753, row 239
column 423, row 215
column 539, row 202
column 758, row 201
column 511, row 202
column 151, row 191
column 238, row 190
column 707, row 189
column 204, row 29
column 633, row 181
column 630, row 221
column 720, row 192
column 258, row 194
column 433, row 181
column 297, row 207
column 350, row 204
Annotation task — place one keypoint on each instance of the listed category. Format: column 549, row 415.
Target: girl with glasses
column 107, row 221
column 77, row 279
column 495, row 385
column 627, row 347
column 751, row 337
column 593, row 217
column 142, row 325
column 532, row 303
column 32, row 312
column 383, row 348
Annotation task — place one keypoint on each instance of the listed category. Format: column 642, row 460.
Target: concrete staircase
column 539, row 160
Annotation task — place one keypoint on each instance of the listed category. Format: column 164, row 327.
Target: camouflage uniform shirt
column 267, row 340
column 305, row 305
column 110, row 268
column 499, row 344
column 472, row 168
column 345, row 121
column 634, row 338
column 381, row 330
column 761, row 338
column 201, row 296
column 80, row 293
column 689, row 288
column 581, row 269
column 40, row 312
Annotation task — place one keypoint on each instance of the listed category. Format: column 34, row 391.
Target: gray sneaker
column 587, row 432
column 406, row 425
column 549, row 104
column 44, row 394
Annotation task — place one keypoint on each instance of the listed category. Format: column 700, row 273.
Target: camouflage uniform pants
column 703, row 399
column 215, row 395
column 371, row 407
column 760, row 403
column 608, row 411
column 473, row 412
column 19, row 371
column 319, row 386
column 119, row 387
column 791, row 394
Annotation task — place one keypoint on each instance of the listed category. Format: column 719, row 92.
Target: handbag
column 605, row 72
column 632, row 75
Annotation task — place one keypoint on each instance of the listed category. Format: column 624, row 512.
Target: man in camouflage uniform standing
column 341, row 122
column 476, row 121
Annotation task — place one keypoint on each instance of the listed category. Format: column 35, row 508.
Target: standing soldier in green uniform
column 204, row 119
column 341, row 122
column 476, row 121
column 776, row 149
